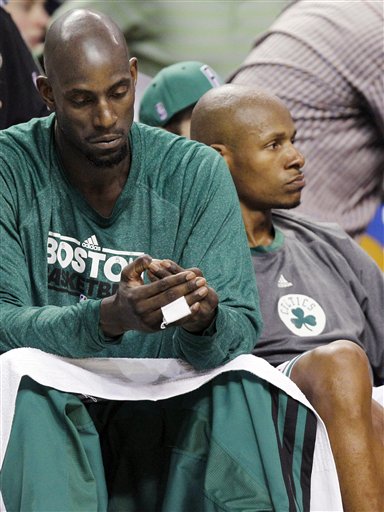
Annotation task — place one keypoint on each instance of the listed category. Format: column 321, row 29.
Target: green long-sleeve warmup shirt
column 59, row 257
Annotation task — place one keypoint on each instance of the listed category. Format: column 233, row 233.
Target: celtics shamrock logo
column 301, row 314
column 302, row 320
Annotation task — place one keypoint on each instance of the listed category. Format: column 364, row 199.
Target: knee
column 341, row 357
column 339, row 371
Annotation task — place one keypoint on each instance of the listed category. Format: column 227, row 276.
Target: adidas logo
column 91, row 243
column 283, row 283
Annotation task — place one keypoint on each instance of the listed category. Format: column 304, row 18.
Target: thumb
column 131, row 274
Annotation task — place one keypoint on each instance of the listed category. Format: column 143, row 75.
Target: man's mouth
column 298, row 182
column 106, row 141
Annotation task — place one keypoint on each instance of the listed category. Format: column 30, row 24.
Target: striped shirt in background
column 325, row 60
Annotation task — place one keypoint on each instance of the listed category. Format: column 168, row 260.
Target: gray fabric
column 326, row 277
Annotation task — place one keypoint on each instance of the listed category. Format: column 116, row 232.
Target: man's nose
column 296, row 158
column 105, row 116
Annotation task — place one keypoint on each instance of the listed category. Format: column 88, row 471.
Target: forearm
column 233, row 332
column 70, row 331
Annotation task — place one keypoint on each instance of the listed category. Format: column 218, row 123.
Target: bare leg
column 336, row 380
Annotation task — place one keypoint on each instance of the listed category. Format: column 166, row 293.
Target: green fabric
column 214, row 449
column 175, row 88
column 277, row 242
column 162, row 32
column 54, row 460
column 179, row 202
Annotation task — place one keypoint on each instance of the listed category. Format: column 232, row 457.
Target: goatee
column 109, row 161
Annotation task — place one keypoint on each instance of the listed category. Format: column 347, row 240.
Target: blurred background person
column 325, row 60
column 31, row 18
column 163, row 32
column 19, row 98
column 169, row 99
column 372, row 241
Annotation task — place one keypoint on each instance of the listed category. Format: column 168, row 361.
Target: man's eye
column 273, row 145
column 79, row 102
column 120, row 93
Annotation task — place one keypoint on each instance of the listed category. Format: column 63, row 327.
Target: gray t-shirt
column 316, row 285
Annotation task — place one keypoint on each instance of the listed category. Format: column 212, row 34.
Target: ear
column 44, row 87
column 224, row 152
column 133, row 69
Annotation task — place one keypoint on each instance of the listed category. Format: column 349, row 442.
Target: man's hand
column 137, row 306
column 204, row 311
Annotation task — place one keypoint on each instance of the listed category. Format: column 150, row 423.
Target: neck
column 100, row 186
column 258, row 226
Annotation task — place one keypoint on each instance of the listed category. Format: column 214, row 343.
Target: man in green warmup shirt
column 93, row 209
column 95, row 195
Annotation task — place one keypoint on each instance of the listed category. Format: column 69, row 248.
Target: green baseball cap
column 175, row 88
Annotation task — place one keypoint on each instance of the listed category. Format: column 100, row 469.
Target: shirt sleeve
column 217, row 245
column 371, row 279
column 368, row 287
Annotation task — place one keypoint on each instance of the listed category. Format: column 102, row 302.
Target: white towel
column 152, row 379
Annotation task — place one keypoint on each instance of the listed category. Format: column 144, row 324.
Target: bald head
column 254, row 132
column 224, row 113
column 80, row 36
column 90, row 86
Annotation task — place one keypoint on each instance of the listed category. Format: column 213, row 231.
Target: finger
column 163, row 291
column 171, row 266
column 195, row 308
column 156, row 295
column 132, row 273
column 174, row 268
column 194, row 292
column 204, row 301
column 196, row 271
column 158, row 270
column 163, row 268
column 202, row 316
column 152, row 277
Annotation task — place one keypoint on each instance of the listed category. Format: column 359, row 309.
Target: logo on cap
column 161, row 111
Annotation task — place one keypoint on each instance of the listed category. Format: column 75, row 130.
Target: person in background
column 322, row 297
column 31, row 18
column 164, row 32
column 169, row 99
column 372, row 240
column 325, row 60
column 19, row 98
